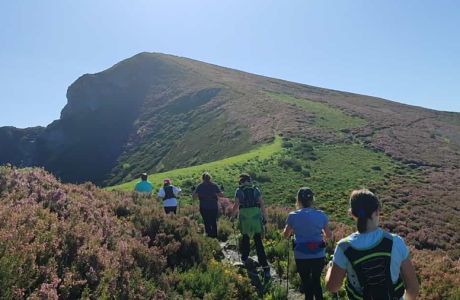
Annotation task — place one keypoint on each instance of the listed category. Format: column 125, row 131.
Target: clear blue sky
column 407, row 51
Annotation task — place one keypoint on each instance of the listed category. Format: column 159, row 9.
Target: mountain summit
column 155, row 112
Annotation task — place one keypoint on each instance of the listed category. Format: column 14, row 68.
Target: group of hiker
column 375, row 263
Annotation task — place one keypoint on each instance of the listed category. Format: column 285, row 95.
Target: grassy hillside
column 332, row 171
column 325, row 116
column 190, row 176
column 283, row 166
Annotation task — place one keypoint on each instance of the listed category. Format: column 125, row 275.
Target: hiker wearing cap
column 144, row 186
column 252, row 216
column 169, row 193
column 376, row 263
column 310, row 228
column 208, row 193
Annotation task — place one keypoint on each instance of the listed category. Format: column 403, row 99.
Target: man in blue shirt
column 144, row 186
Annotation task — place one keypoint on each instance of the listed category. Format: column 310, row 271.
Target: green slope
column 280, row 168
column 219, row 169
column 325, row 116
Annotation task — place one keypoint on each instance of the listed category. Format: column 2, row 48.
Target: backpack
column 372, row 267
column 169, row 193
column 249, row 200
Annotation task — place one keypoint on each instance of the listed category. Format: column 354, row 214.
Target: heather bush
column 215, row 281
column 76, row 241
column 70, row 242
column 225, row 228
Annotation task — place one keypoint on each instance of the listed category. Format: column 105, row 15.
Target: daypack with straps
column 249, row 199
column 169, row 193
column 250, row 217
column 372, row 267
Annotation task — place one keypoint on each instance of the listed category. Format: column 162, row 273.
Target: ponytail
column 363, row 204
column 206, row 177
column 305, row 197
column 362, row 225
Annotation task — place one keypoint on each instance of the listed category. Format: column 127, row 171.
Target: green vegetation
column 325, row 116
column 181, row 140
column 280, row 168
column 223, row 169
column 341, row 168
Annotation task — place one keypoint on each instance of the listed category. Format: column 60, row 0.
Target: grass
column 339, row 169
column 281, row 168
column 325, row 116
column 226, row 169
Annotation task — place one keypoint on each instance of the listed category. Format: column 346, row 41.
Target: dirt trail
column 231, row 254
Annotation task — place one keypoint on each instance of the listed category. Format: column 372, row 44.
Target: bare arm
column 262, row 207
column 236, row 207
column 410, row 280
column 327, row 233
column 334, row 278
column 195, row 195
column 288, row 230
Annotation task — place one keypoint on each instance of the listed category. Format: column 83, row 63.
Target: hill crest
column 155, row 112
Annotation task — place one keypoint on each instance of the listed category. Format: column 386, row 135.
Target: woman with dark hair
column 208, row 193
column 310, row 228
column 376, row 263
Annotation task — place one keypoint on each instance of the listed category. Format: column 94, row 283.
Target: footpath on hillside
column 232, row 256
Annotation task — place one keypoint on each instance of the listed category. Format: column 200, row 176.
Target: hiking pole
column 178, row 206
column 192, row 188
column 287, row 271
column 235, row 235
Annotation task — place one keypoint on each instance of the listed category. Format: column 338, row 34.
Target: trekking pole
column 192, row 189
column 287, row 271
column 178, row 206
column 237, row 244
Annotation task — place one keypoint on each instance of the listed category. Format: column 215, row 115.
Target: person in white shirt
column 168, row 193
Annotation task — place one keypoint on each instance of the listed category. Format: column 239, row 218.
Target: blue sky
column 406, row 51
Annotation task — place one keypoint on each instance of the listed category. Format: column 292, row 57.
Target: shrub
column 225, row 228
column 215, row 281
column 287, row 144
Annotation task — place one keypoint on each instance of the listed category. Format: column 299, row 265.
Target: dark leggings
column 310, row 274
column 210, row 221
column 245, row 247
column 170, row 209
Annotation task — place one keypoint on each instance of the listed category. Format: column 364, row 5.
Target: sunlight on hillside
column 325, row 115
column 215, row 168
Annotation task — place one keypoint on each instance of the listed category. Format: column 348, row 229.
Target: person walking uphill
column 168, row 193
column 310, row 228
column 252, row 215
column 208, row 193
column 377, row 263
column 144, row 186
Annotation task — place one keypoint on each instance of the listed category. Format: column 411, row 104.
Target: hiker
column 168, row 193
column 310, row 228
column 208, row 193
column 144, row 186
column 252, row 217
column 377, row 263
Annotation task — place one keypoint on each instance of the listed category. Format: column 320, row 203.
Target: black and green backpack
column 250, row 199
column 372, row 267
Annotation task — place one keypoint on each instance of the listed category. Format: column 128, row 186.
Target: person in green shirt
column 250, row 207
column 144, row 186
